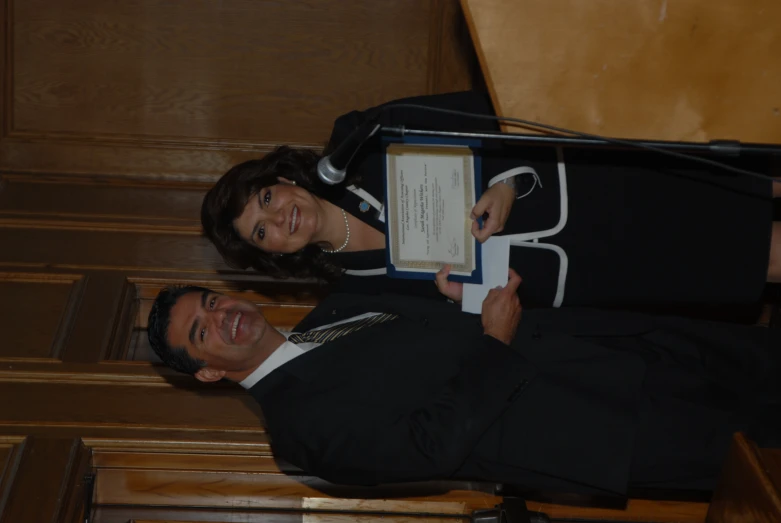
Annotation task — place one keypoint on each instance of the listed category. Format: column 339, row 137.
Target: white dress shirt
column 289, row 351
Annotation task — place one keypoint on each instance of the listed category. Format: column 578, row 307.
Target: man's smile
column 235, row 326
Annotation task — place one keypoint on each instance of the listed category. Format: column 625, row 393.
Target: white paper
column 496, row 263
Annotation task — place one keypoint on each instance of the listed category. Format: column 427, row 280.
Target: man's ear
column 209, row 375
column 281, row 179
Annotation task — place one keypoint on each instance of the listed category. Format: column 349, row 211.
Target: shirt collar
column 284, row 353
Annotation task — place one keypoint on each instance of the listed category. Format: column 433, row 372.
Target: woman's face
column 282, row 218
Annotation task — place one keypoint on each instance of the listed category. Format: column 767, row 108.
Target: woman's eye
column 212, row 302
column 267, row 198
column 203, row 334
column 261, row 232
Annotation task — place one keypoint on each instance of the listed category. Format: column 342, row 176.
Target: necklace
column 346, row 240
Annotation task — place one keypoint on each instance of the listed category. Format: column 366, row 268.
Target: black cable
column 617, row 141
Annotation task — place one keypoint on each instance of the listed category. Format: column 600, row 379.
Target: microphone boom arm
column 732, row 148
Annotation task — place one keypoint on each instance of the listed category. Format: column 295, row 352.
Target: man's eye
column 267, row 198
column 203, row 334
column 262, row 232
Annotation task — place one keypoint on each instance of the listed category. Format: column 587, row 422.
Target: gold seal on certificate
column 431, row 190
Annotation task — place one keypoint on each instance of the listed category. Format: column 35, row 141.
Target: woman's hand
column 452, row 289
column 496, row 202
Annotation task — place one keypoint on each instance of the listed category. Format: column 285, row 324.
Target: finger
column 440, row 280
column 513, row 281
column 455, row 291
column 477, row 232
column 490, row 226
column 481, row 207
column 441, row 277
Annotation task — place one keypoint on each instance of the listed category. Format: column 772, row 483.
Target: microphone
column 332, row 169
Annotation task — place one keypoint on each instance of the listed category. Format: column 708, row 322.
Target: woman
column 588, row 227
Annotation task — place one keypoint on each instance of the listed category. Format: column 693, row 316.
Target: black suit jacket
column 428, row 396
column 634, row 228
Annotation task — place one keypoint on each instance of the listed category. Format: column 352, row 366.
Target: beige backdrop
column 664, row 69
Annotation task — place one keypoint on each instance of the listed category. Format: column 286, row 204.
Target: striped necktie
column 337, row 331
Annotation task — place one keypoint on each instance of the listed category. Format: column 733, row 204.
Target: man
column 576, row 400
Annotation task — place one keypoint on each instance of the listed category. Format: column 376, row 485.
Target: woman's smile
column 295, row 222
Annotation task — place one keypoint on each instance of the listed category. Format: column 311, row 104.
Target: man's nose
column 217, row 317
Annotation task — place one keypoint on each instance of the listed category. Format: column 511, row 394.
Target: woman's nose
column 279, row 217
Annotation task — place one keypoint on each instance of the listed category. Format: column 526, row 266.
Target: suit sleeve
column 358, row 444
column 468, row 101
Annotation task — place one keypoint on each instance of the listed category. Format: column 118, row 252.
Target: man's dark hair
column 226, row 201
column 157, row 330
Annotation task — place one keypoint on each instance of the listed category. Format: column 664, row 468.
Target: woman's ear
column 280, row 179
column 209, row 375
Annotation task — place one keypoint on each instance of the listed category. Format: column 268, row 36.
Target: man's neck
column 270, row 342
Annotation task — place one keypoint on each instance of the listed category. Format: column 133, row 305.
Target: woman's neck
column 334, row 231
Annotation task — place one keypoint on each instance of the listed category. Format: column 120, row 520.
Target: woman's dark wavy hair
column 226, row 200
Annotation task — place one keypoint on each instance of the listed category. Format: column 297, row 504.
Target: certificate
column 431, row 190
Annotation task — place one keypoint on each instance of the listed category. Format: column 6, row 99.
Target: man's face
column 224, row 332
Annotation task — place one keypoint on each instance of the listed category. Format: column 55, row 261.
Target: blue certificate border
column 477, row 275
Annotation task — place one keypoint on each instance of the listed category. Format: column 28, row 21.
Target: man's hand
column 502, row 310
column 452, row 289
column 496, row 202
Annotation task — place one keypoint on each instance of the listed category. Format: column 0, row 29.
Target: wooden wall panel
column 105, row 314
column 48, row 465
column 120, row 251
column 111, row 514
column 58, row 202
column 210, row 70
column 38, row 308
column 184, row 89
column 194, row 477
column 187, row 475
column 174, row 162
column 189, row 406
column 10, row 455
column 219, row 481
column 147, row 515
column 116, row 118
